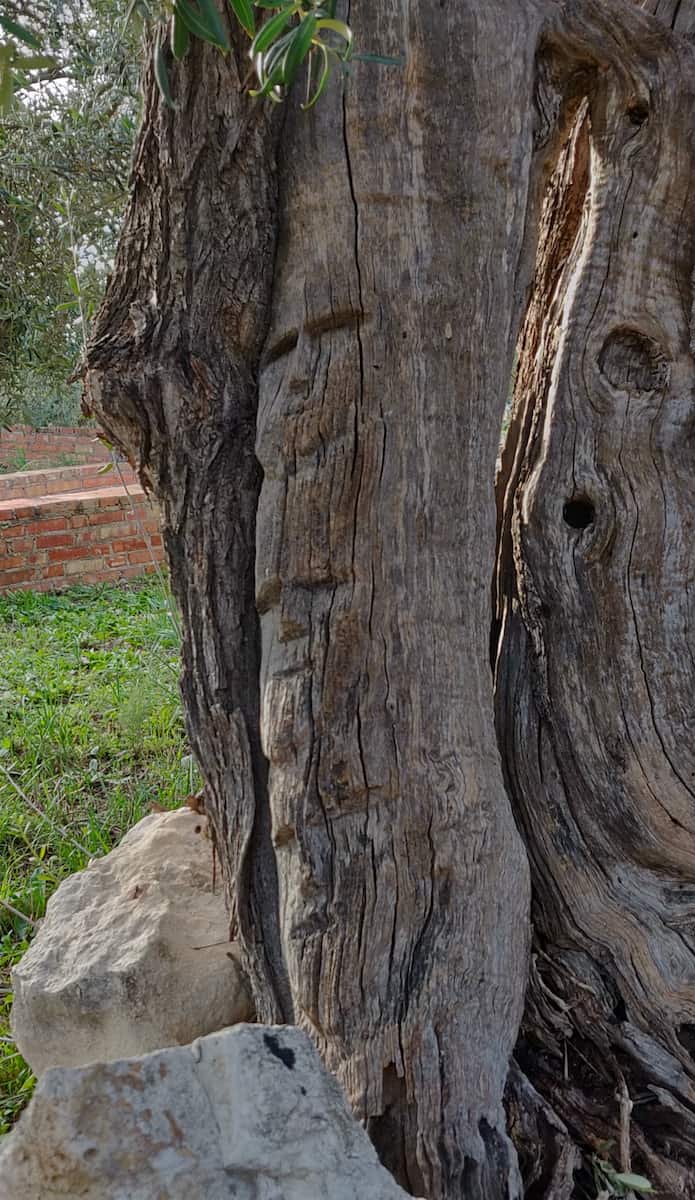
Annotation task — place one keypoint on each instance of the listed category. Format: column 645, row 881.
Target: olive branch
column 299, row 35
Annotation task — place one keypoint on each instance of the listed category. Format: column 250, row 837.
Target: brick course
column 53, row 481
column 89, row 536
column 76, row 440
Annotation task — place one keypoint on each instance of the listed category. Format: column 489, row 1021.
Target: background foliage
column 65, row 146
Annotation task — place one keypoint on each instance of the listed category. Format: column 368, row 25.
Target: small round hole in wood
column 638, row 112
column 578, row 512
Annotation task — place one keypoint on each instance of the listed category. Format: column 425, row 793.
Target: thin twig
column 16, row 913
column 44, row 817
column 560, row 966
column 75, row 269
column 148, row 543
column 625, row 1114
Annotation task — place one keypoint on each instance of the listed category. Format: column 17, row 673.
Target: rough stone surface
column 248, row 1113
column 113, row 971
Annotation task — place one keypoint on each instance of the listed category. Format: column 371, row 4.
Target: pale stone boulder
column 115, row 970
column 245, row 1114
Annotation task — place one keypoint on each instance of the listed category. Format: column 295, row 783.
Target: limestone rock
column 113, row 971
column 245, row 1114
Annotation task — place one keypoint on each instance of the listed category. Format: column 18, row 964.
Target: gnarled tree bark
column 594, row 675
column 377, row 881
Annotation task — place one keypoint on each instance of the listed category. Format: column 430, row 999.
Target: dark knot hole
column 579, row 512
column 638, row 112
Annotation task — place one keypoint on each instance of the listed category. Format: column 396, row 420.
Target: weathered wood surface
column 596, row 709
column 401, row 934
column 402, row 885
column 678, row 15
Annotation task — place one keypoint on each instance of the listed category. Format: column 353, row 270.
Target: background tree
column 305, row 347
column 65, row 144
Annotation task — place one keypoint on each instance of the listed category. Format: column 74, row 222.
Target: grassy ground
column 91, row 733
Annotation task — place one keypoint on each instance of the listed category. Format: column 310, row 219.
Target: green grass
column 91, row 732
column 17, row 461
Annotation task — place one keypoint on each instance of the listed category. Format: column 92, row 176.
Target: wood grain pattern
column 595, row 675
column 403, row 886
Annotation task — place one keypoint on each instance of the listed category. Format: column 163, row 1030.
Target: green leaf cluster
column 298, row 35
column 288, row 37
column 16, row 65
column 612, row 1182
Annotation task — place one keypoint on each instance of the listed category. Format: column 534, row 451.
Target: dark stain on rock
column 284, row 1053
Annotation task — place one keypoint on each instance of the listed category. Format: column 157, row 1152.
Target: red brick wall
column 76, row 441
column 53, row 481
column 96, row 537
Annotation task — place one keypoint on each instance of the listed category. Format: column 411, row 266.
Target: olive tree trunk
column 306, row 348
column 595, row 701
